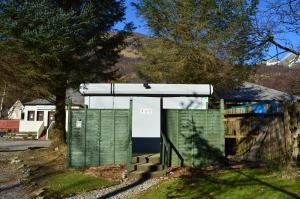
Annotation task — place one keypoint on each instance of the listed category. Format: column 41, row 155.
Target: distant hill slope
column 129, row 57
column 276, row 77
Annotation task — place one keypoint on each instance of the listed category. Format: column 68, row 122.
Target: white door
column 146, row 117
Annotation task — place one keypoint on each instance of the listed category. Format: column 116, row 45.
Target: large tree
column 12, row 64
column 278, row 23
column 199, row 41
column 66, row 42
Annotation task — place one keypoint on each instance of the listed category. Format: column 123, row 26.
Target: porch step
column 23, row 136
column 147, row 166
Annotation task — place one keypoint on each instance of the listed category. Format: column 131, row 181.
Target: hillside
column 130, row 56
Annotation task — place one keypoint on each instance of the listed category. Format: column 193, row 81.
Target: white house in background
column 15, row 112
column 38, row 116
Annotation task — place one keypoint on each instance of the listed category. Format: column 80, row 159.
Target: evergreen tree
column 66, row 42
column 199, row 41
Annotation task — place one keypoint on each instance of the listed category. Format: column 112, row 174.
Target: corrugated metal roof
column 254, row 92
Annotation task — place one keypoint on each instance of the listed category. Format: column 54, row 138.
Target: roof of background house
column 77, row 99
column 254, row 92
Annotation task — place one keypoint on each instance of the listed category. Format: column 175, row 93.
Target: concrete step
column 139, row 159
column 148, row 167
column 155, row 159
column 143, row 174
column 149, row 158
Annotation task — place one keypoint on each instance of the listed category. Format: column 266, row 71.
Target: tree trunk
column 60, row 118
column 2, row 100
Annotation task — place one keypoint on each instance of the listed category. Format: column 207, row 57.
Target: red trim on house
column 9, row 124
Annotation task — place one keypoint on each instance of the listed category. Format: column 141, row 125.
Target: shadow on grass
column 231, row 184
column 201, row 150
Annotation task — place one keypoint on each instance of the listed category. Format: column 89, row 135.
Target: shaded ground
column 43, row 172
column 231, row 184
column 11, row 178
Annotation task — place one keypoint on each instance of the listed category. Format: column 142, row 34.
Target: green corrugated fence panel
column 102, row 139
column 197, row 134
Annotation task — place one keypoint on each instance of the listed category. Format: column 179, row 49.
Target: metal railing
column 166, row 152
column 49, row 129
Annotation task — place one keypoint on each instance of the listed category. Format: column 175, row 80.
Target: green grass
column 72, row 182
column 229, row 184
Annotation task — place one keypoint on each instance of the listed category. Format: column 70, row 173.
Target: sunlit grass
column 229, row 184
column 72, row 182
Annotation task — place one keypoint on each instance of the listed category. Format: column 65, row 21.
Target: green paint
column 103, row 138
column 197, row 134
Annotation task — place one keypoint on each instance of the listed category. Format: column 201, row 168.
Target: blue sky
column 141, row 27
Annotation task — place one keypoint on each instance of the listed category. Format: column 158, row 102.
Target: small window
column 30, row 116
column 22, row 116
column 40, row 116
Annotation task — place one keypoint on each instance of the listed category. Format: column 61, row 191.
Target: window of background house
column 40, row 116
column 22, row 116
column 30, row 116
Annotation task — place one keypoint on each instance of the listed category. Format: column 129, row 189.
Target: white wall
column 15, row 111
column 109, row 102
column 31, row 126
column 45, row 108
column 15, row 114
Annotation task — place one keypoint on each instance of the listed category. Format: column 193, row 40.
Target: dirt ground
column 11, row 178
column 23, row 174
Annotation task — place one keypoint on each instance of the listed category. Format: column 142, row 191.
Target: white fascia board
column 153, row 89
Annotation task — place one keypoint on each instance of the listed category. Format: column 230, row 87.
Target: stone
column 15, row 161
column 39, row 192
column 56, row 149
column 21, row 166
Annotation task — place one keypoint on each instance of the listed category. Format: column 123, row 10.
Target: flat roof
column 146, row 89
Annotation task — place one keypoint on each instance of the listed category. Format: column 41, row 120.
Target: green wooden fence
column 99, row 137
column 198, row 135
column 102, row 137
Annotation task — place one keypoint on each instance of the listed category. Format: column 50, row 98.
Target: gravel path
column 21, row 145
column 12, row 190
column 11, row 185
column 123, row 190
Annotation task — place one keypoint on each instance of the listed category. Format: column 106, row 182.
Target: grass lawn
column 71, row 182
column 228, row 184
